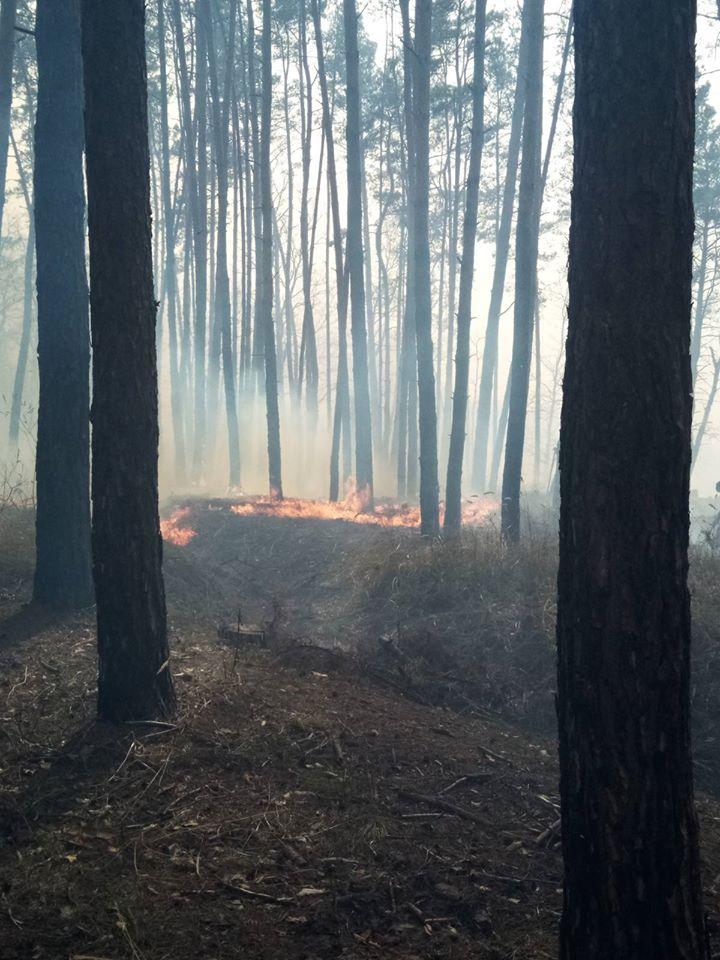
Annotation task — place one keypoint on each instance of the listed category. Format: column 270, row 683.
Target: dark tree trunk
column 134, row 681
column 526, row 253
column 429, row 493
column 8, row 13
column 630, row 836
column 363, row 427
column 453, row 495
column 266, row 287
column 63, row 568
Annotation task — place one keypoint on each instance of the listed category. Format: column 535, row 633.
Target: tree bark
column 429, row 492
column 198, row 132
column 630, row 836
column 62, row 534
column 176, row 391
column 134, row 681
column 453, row 494
column 266, row 261
column 407, row 427
column 308, row 370
column 223, row 307
column 526, row 254
column 341, row 418
column 363, row 425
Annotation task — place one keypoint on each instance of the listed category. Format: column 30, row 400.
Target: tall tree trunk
column 134, row 681
column 258, row 344
column 176, row 391
column 429, row 493
column 488, row 370
column 363, row 426
column 8, row 14
column 630, row 836
column 453, row 495
column 559, row 91
column 407, row 378
column 200, row 241
column 63, row 569
column 223, row 311
column 341, row 419
column 266, row 261
column 308, row 345
column 526, row 253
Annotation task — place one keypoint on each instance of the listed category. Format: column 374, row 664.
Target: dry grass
column 474, row 623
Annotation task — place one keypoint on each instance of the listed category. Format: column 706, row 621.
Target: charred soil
column 306, row 802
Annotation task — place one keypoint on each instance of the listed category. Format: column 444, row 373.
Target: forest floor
column 316, row 796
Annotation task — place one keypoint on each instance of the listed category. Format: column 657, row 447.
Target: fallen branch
column 547, row 834
column 255, row 894
column 441, row 804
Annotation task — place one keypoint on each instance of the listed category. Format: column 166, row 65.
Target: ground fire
column 177, row 528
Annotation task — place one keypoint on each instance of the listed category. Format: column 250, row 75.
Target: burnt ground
column 299, row 806
column 299, row 574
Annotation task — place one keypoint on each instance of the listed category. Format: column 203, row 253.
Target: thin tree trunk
column 341, row 424
column 453, row 495
column 696, row 339
column 488, row 371
column 24, row 349
column 223, row 311
column 499, row 438
column 134, row 681
column 429, row 493
column 176, row 392
column 258, row 346
column 308, row 346
column 200, row 241
column 8, row 14
column 363, row 425
column 407, row 378
column 526, row 253
column 266, row 260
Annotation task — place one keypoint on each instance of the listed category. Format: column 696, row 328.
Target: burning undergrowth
column 178, row 527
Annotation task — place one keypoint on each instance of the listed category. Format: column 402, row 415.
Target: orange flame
column 353, row 509
column 174, row 529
